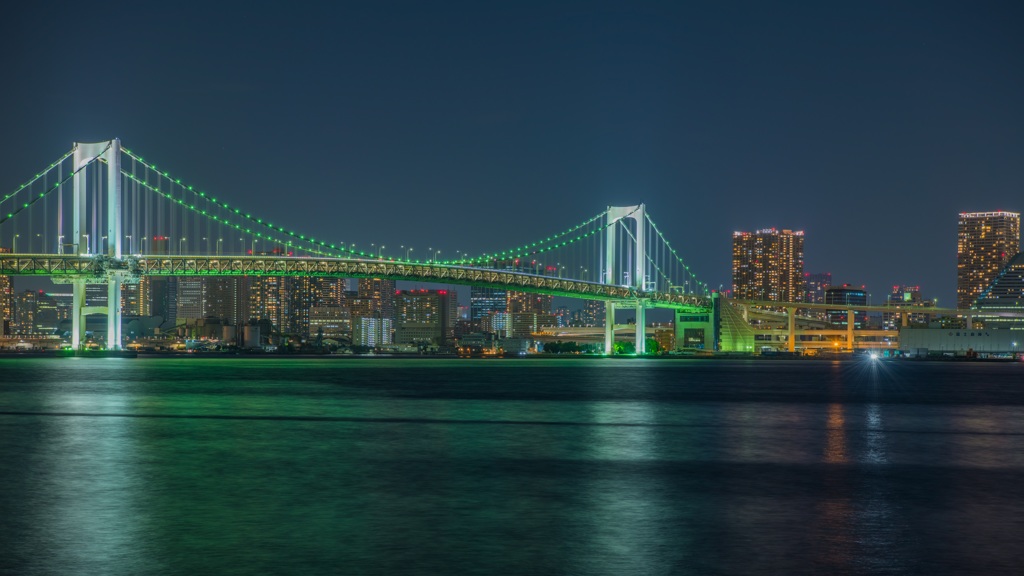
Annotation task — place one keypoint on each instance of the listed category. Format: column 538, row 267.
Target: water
column 266, row 466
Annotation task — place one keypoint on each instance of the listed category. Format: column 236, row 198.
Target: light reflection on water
column 383, row 467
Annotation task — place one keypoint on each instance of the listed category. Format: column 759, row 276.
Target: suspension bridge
column 102, row 214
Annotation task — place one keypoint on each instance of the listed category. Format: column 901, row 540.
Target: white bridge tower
column 636, row 277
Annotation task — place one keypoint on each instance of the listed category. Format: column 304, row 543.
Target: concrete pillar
column 609, row 328
column 641, row 328
column 791, row 316
column 850, row 318
column 77, row 320
column 113, row 313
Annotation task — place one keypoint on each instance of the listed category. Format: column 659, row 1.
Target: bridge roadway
column 97, row 268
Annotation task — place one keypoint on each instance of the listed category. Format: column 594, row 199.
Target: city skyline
column 370, row 128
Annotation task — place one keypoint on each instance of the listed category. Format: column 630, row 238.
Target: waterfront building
column 423, row 317
column 985, row 243
column 666, row 338
column 768, row 265
column 372, row 332
column 334, row 320
column 850, row 295
column 1005, row 294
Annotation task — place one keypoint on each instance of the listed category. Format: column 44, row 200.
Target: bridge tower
column 636, row 277
column 110, row 153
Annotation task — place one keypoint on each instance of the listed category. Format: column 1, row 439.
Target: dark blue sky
column 477, row 126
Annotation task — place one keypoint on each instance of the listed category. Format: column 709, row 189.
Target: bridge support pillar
column 113, row 313
column 791, row 338
column 77, row 319
column 609, row 328
column 641, row 328
column 850, row 319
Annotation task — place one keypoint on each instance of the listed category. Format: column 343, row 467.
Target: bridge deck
column 97, row 267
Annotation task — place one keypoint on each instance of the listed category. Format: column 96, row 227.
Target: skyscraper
column 6, row 300
column 768, row 265
column 815, row 286
column 985, row 243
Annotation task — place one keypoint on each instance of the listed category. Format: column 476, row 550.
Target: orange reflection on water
column 835, row 447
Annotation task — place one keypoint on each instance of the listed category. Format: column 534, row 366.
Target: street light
column 103, row 244
column 380, row 251
column 207, row 240
column 429, row 252
column 87, row 247
column 436, row 254
column 180, row 242
column 407, row 251
column 128, row 236
column 14, row 248
column 219, row 240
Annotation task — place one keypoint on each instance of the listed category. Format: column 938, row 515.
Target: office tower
column 985, row 243
column 222, row 299
column 6, row 300
column 190, row 299
column 159, row 294
column 815, row 286
column 768, row 265
column 846, row 294
column 485, row 302
column 420, row 316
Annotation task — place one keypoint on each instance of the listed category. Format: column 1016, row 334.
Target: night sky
column 480, row 126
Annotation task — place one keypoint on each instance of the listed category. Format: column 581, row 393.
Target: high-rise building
column 190, row 299
column 380, row 290
column 815, row 286
column 266, row 299
column 485, row 302
column 985, row 243
column 1005, row 294
column 768, row 265
column 375, row 300
column 222, row 298
column 519, row 302
column 25, row 313
column 421, row 316
column 6, row 300
column 159, row 294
